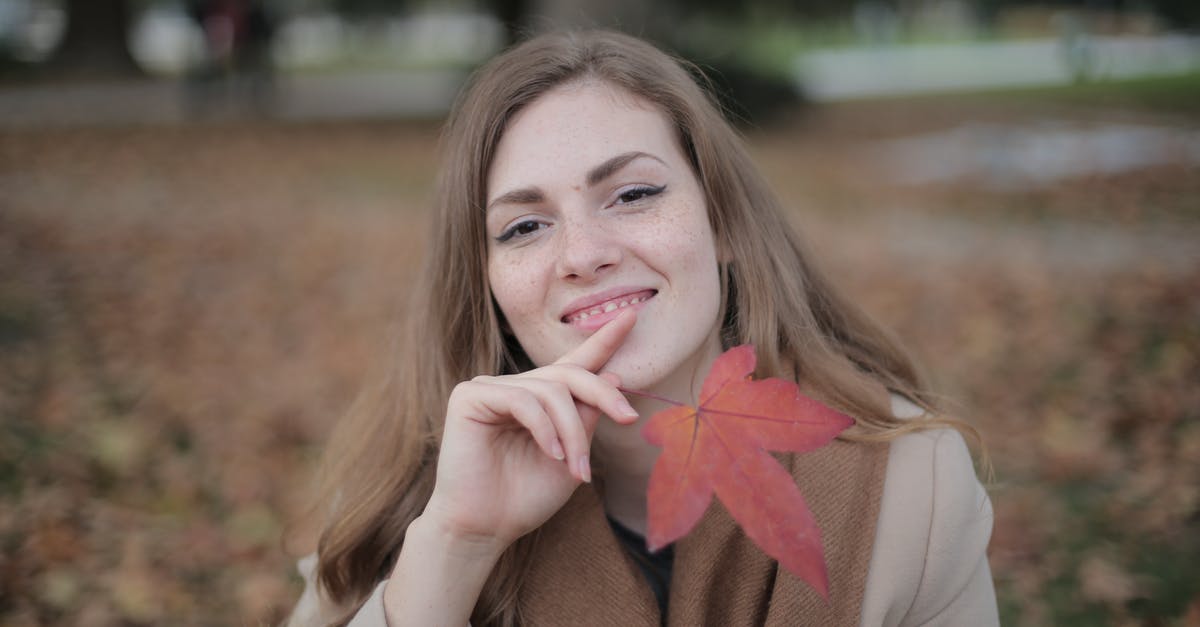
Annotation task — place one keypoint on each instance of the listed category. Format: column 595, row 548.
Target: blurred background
column 210, row 212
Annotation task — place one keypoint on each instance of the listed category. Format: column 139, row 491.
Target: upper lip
column 584, row 303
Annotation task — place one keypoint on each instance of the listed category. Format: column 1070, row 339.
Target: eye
column 640, row 192
column 520, row 229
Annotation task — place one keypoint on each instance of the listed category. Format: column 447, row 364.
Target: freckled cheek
column 521, row 296
column 686, row 252
column 682, row 245
column 518, row 291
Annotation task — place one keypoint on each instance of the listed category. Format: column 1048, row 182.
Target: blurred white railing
column 839, row 74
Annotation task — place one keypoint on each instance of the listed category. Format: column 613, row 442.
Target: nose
column 586, row 251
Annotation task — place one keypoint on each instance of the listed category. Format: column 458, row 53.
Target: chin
column 635, row 376
column 655, row 367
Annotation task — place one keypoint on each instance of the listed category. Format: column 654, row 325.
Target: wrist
column 438, row 575
column 454, row 543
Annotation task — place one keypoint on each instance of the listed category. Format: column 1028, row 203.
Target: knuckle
column 572, row 368
column 519, row 395
column 463, row 387
column 559, row 388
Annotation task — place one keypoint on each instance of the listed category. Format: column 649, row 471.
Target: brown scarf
column 582, row 576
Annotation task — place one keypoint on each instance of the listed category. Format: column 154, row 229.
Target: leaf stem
column 653, row 396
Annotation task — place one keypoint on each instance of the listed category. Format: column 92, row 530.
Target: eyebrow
column 531, row 195
column 612, row 166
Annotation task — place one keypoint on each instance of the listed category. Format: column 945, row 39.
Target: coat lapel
column 842, row 483
column 719, row 576
column 581, row 575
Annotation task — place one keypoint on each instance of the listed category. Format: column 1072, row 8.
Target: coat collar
column 581, row 573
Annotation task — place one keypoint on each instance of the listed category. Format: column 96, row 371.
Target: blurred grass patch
column 1177, row 94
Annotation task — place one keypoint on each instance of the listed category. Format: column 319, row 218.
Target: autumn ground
column 185, row 311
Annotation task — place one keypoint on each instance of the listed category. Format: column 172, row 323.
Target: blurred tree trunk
column 749, row 94
column 96, row 42
column 630, row 16
column 514, row 14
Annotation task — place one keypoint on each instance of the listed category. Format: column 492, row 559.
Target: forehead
column 574, row 127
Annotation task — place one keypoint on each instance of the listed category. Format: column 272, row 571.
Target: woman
column 600, row 226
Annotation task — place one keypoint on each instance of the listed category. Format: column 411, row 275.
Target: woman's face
column 592, row 208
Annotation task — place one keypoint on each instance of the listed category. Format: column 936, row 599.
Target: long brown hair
column 380, row 464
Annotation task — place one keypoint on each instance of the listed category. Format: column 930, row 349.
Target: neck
column 627, row 457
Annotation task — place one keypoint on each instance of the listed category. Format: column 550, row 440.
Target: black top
column 655, row 566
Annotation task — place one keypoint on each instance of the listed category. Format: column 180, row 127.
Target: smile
column 608, row 306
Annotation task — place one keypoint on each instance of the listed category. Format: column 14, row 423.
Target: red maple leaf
column 721, row 447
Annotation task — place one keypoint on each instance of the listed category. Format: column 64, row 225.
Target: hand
column 515, row 447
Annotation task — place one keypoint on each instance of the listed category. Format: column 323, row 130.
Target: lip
column 592, row 301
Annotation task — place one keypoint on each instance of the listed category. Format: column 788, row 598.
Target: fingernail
column 627, row 409
column 557, row 450
column 585, row 469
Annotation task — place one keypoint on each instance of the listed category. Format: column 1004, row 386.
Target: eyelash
column 512, row 231
column 641, row 192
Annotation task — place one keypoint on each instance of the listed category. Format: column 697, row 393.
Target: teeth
column 608, row 308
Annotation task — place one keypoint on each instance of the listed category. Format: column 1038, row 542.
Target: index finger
column 595, row 351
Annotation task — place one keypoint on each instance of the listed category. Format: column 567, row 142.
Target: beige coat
column 924, row 563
